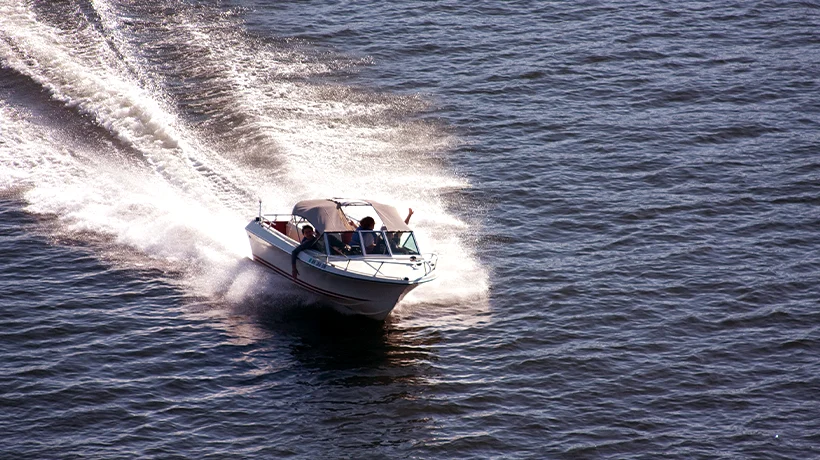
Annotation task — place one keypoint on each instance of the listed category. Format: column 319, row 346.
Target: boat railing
column 275, row 222
column 428, row 263
column 267, row 218
column 433, row 262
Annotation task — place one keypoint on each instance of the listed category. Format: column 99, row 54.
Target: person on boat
column 366, row 225
column 309, row 239
column 371, row 240
column 394, row 237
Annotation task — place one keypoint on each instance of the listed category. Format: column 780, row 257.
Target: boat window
column 402, row 243
column 373, row 242
column 339, row 244
column 320, row 246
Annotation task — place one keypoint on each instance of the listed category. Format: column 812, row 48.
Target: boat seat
column 293, row 232
column 281, row 227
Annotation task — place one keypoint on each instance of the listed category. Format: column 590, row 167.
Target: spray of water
column 192, row 140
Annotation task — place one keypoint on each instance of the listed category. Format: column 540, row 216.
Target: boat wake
column 156, row 129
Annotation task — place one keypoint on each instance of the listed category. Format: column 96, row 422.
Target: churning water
column 625, row 197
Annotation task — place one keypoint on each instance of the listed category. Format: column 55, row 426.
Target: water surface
column 624, row 196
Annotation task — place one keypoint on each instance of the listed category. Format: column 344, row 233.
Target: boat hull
column 348, row 294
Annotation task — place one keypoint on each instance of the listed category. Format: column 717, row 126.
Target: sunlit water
column 624, row 197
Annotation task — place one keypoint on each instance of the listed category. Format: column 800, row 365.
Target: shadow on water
column 322, row 339
column 362, row 382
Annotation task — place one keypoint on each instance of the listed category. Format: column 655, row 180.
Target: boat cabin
column 338, row 224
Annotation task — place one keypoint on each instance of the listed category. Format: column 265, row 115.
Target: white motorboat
column 365, row 279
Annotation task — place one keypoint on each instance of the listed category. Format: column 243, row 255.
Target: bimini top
column 328, row 216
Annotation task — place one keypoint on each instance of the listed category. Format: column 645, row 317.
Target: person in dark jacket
column 309, row 238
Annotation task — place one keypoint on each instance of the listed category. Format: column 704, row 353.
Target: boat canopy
column 328, row 216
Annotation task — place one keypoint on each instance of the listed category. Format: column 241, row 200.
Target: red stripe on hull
column 302, row 284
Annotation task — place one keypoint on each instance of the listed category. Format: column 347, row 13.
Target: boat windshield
column 338, row 243
column 369, row 242
column 402, row 243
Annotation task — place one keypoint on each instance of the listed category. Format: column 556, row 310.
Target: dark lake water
column 625, row 197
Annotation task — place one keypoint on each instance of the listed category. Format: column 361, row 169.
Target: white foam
column 183, row 205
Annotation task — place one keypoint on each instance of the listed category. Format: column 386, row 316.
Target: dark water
column 625, row 196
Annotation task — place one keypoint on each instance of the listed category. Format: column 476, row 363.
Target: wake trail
column 82, row 71
column 205, row 119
